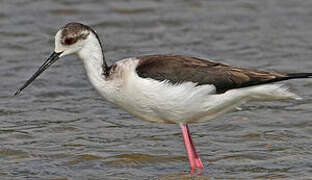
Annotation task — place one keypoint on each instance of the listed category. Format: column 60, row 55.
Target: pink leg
column 195, row 162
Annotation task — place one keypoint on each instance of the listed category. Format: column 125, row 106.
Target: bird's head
column 68, row 40
column 71, row 38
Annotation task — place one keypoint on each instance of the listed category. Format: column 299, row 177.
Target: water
column 60, row 128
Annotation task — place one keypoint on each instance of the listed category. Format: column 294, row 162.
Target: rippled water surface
column 60, row 128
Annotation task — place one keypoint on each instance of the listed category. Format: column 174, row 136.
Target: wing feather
column 178, row 68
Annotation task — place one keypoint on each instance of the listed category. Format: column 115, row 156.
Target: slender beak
column 53, row 58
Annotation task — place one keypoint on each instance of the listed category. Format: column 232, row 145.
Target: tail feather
column 299, row 75
column 282, row 77
column 287, row 77
column 271, row 92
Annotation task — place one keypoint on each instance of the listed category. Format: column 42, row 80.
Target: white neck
column 92, row 57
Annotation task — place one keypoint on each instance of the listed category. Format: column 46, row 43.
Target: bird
column 167, row 88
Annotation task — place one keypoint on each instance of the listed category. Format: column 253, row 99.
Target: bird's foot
column 196, row 166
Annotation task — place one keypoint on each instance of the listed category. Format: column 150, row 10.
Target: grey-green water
column 60, row 128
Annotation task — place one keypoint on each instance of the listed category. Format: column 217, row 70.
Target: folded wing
column 178, row 69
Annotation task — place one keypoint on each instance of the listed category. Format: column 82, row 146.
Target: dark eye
column 69, row 41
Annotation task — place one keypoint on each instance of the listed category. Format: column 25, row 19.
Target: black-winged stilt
column 168, row 88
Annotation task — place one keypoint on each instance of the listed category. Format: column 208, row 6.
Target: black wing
column 177, row 68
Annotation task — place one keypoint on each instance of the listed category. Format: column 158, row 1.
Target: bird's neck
column 93, row 59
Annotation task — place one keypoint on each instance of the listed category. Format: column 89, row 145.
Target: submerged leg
column 195, row 162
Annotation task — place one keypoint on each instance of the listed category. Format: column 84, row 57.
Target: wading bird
column 168, row 88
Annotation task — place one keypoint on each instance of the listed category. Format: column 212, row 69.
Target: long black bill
column 54, row 57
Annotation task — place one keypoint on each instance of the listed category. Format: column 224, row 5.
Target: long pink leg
column 195, row 162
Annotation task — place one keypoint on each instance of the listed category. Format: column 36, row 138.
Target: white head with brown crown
column 73, row 38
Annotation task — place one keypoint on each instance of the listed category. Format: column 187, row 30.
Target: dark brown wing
column 177, row 68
